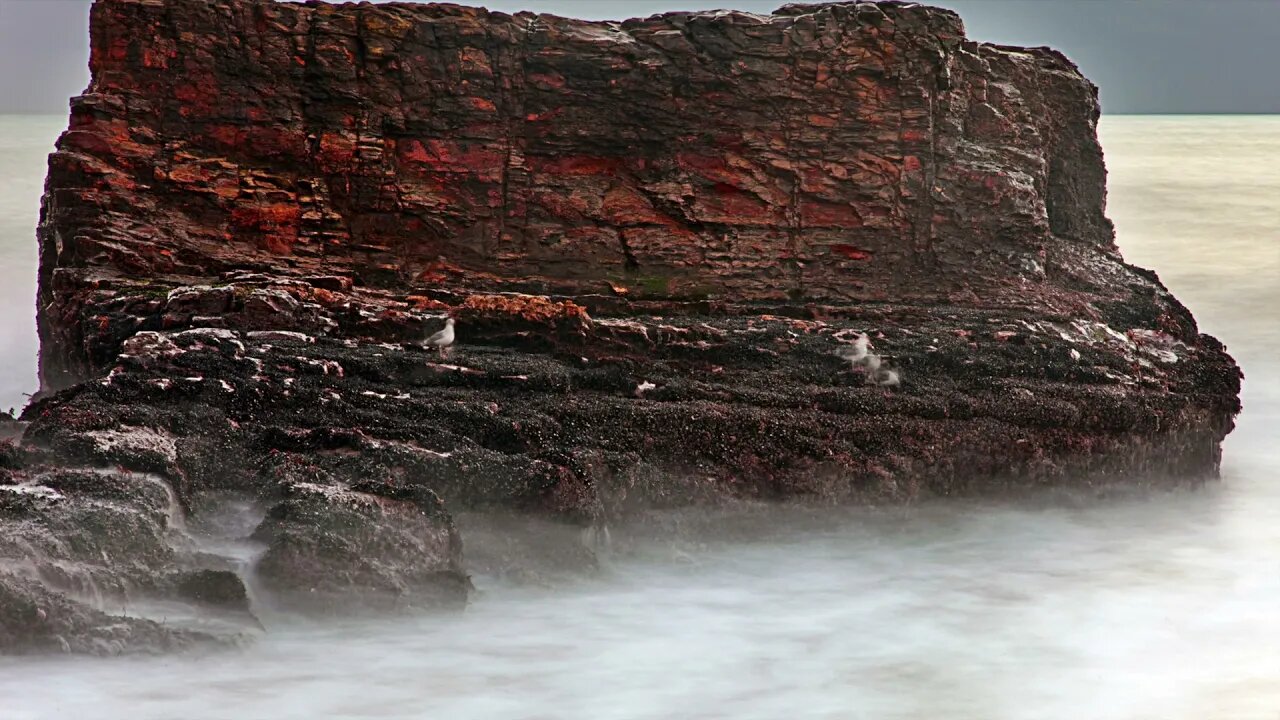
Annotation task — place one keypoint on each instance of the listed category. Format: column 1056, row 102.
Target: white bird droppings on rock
column 110, row 378
column 133, row 440
column 279, row 335
column 41, row 491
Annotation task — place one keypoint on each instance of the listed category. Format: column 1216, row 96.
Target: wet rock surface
column 375, row 545
column 76, row 543
column 659, row 239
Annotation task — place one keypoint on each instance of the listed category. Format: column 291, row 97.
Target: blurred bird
column 442, row 340
column 885, row 378
column 859, row 355
column 855, row 353
column 878, row 375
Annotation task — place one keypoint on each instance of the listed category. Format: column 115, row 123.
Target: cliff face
column 830, row 153
column 660, row 238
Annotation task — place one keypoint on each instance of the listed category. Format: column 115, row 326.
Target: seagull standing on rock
column 442, row 340
column 859, row 355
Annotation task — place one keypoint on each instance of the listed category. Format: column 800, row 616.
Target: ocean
column 25, row 143
column 1160, row 605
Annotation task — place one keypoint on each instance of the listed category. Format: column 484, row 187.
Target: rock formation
column 655, row 236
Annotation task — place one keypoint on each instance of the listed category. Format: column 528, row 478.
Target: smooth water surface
column 1164, row 606
column 25, row 143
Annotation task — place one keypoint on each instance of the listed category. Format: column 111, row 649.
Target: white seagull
column 857, row 352
column 442, row 340
column 875, row 373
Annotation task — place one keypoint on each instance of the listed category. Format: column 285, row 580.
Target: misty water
column 1157, row 604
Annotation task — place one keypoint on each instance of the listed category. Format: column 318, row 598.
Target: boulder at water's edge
column 655, row 236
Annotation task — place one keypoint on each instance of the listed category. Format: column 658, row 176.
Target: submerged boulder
column 331, row 549
column 79, row 550
column 222, row 589
column 36, row 619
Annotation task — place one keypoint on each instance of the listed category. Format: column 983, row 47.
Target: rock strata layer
column 656, row 237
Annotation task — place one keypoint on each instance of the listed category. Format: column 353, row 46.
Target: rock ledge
column 656, row 236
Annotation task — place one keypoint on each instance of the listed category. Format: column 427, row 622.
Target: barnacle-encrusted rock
column 654, row 235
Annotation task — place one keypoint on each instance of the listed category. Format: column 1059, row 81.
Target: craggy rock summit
column 656, row 237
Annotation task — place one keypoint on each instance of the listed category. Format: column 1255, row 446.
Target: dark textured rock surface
column 654, row 236
column 74, row 543
column 831, row 153
column 376, row 544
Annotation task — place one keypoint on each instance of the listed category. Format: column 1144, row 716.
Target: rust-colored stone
column 526, row 307
column 659, row 240
column 587, row 152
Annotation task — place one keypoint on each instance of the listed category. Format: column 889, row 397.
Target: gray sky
column 1147, row 56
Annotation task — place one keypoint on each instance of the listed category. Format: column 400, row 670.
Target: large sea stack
column 655, row 235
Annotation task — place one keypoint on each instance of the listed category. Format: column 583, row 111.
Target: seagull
column 443, row 339
column 885, row 378
column 877, row 375
column 857, row 353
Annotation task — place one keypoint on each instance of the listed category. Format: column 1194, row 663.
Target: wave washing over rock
column 661, row 240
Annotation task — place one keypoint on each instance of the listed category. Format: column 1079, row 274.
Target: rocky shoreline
column 651, row 308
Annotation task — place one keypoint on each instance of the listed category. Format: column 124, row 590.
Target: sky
column 1146, row 56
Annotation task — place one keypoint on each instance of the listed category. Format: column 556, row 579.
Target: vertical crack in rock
column 792, row 217
column 926, row 227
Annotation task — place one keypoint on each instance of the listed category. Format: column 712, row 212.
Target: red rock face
column 838, row 253
column 828, row 153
